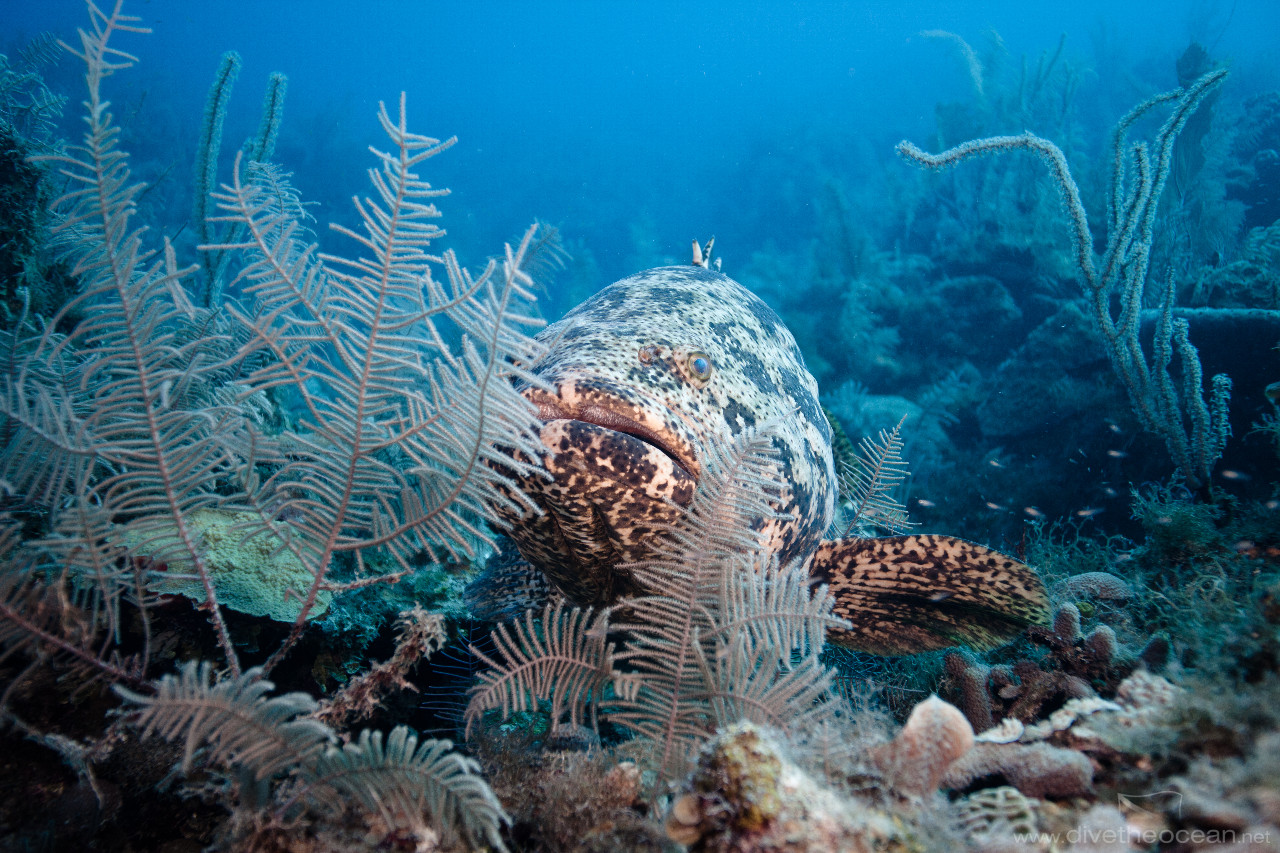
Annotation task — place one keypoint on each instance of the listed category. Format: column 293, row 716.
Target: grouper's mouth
column 600, row 414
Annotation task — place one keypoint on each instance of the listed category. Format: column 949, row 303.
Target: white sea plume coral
column 391, row 457
column 283, row 758
column 367, row 329
column 116, row 423
column 561, row 656
column 869, row 487
column 401, row 361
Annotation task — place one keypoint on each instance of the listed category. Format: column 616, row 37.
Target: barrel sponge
column 251, row 575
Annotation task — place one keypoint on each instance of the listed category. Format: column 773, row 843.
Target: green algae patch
column 251, row 575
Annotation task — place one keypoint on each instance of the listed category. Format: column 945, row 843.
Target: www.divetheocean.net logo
column 1146, row 817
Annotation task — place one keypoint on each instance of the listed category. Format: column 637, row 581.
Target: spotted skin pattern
column 903, row 593
column 642, row 376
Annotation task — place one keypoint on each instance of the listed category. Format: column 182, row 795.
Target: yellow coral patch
column 252, row 575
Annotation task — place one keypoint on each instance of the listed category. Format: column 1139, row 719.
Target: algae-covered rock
column 745, row 796
column 250, row 575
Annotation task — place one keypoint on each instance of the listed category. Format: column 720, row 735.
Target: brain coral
column 250, row 575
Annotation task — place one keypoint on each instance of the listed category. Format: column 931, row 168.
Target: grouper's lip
column 599, row 413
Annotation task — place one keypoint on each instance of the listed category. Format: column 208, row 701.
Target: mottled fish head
column 636, row 383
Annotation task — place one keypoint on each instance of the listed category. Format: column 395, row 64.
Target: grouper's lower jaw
column 609, row 467
column 609, row 497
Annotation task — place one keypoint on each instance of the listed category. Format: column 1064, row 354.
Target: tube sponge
column 934, row 736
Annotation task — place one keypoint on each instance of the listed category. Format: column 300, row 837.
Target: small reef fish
column 636, row 384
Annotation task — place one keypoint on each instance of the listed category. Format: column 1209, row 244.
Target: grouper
column 639, row 379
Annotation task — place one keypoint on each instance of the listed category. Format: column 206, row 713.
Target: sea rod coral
column 1194, row 429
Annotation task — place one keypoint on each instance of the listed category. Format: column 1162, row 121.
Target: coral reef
column 130, row 457
column 744, row 795
column 145, row 457
column 575, row 801
column 274, row 458
column 1077, row 666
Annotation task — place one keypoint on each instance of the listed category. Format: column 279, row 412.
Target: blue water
column 635, row 127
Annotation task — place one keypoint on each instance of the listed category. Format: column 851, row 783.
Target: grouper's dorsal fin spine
column 908, row 594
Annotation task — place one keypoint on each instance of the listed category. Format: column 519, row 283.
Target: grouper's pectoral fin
column 908, row 594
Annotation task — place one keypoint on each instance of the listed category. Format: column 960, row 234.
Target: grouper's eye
column 700, row 366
